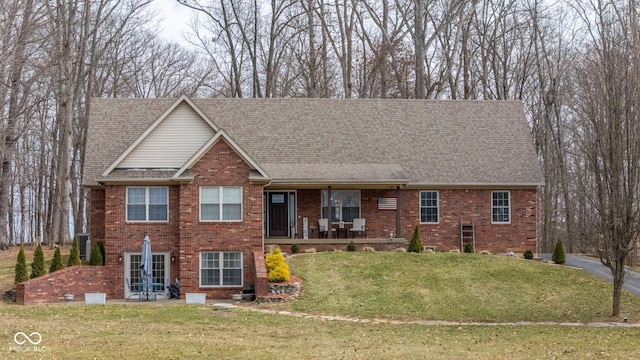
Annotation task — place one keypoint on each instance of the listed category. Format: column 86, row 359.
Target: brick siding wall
column 74, row 280
column 455, row 205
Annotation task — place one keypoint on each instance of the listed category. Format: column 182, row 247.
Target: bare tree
column 608, row 91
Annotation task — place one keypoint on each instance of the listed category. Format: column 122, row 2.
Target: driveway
column 594, row 266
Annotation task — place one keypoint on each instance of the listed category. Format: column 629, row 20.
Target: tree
column 21, row 267
column 56, row 262
column 96, row 255
column 558, row 255
column 37, row 266
column 607, row 92
column 74, row 257
column 415, row 245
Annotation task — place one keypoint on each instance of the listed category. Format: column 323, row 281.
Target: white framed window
column 220, row 268
column 500, row 207
column 150, row 204
column 345, row 205
column 429, row 207
column 221, row 203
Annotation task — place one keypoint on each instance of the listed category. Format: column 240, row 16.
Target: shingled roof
column 340, row 141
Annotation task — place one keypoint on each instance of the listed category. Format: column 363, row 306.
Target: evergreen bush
column 37, row 266
column 74, row 257
column 528, row 254
column 277, row 268
column 558, row 255
column 96, row 255
column 468, row 248
column 295, row 248
column 21, row 267
column 415, row 245
column 56, row 262
column 351, row 246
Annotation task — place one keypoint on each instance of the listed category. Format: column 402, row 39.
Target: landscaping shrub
column 95, row 258
column 21, row 267
column 277, row 268
column 468, row 248
column 295, row 248
column 74, row 258
column 402, row 250
column 415, row 245
column 558, row 255
column 56, row 262
column 368, row 249
column 351, row 246
column 37, row 266
column 310, row 251
column 528, row 254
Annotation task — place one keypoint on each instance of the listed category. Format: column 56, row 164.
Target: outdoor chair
column 358, row 226
column 323, row 228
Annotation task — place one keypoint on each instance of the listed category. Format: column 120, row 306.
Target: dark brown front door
column 278, row 214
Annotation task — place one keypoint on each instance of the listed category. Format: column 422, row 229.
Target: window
column 500, row 207
column 147, row 204
column 221, row 268
column 221, row 203
column 428, row 206
column 345, row 205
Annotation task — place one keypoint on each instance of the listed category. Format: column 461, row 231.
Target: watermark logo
column 27, row 343
column 21, row 338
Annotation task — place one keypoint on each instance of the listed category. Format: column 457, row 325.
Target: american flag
column 387, row 203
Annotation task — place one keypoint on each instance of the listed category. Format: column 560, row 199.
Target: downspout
column 398, row 211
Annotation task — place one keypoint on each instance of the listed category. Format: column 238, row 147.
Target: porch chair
column 323, row 228
column 358, row 226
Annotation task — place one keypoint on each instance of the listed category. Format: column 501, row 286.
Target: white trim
column 437, row 207
column 146, row 204
column 221, row 134
column 221, row 268
column 221, row 204
column 508, row 207
column 155, row 125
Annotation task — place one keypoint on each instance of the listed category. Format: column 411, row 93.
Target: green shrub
column 95, row 258
column 21, row 267
column 295, row 248
column 277, row 268
column 37, row 266
column 528, row 254
column 468, row 248
column 558, row 255
column 74, row 257
column 56, row 262
column 351, row 246
column 415, row 245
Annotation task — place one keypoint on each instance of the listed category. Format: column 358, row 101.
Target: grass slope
column 455, row 287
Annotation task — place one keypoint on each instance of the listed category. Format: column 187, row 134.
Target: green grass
column 393, row 286
column 454, row 287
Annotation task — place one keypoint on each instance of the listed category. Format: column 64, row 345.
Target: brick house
column 211, row 181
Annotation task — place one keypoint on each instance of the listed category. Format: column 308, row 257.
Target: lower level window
column 500, row 208
column 219, row 268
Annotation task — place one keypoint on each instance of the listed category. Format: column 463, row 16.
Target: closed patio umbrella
column 146, row 267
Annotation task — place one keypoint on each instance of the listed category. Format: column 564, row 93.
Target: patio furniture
column 323, row 228
column 358, row 226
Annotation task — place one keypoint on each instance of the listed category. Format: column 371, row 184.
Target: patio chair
column 323, row 228
column 358, row 226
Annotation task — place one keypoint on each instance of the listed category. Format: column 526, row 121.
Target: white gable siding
column 172, row 142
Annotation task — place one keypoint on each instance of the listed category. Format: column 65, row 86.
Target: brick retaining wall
column 74, row 280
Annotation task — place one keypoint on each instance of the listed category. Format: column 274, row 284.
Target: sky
column 175, row 19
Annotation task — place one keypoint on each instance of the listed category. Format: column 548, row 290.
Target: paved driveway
column 594, row 266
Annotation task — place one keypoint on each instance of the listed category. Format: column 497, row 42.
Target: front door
column 278, row 215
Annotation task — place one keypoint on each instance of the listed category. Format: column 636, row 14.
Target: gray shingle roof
column 421, row 142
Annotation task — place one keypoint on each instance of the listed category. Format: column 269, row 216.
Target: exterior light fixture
column 120, row 257
column 173, row 258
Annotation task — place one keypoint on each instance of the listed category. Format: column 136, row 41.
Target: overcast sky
column 175, row 19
